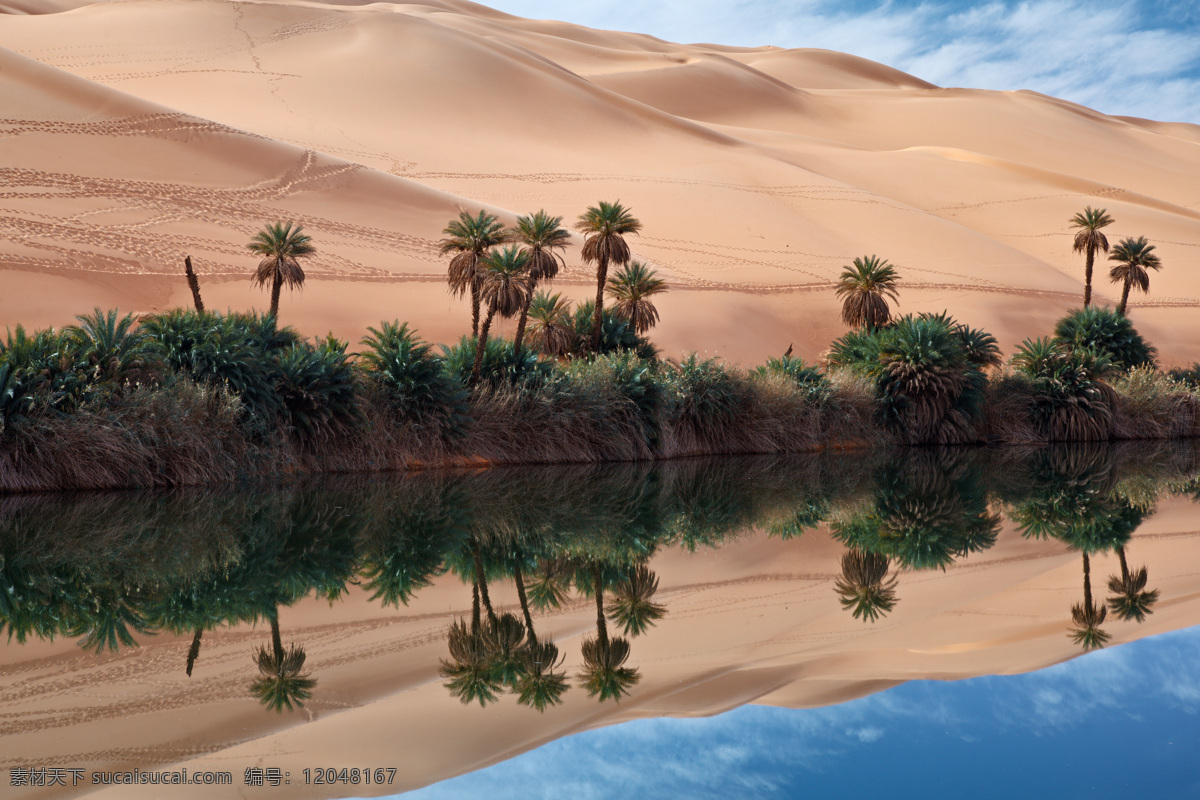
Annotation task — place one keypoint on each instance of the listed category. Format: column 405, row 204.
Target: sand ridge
column 758, row 173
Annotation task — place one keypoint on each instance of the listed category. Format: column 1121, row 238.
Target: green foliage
column 857, row 350
column 110, row 351
column 702, row 394
column 1070, row 401
column 616, row 334
column 415, row 381
column 15, row 400
column 1106, row 333
column 501, row 366
column 1188, row 376
column 317, row 389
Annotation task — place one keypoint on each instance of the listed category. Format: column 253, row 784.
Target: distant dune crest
column 142, row 131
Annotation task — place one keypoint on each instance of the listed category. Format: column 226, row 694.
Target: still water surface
column 495, row 625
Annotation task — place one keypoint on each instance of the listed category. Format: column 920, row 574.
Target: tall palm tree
column 470, row 238
column 865, row 288
column 469, row 672
column 551, row 326
column 1133, row 257
column 864, row 587
column 605, row 227
column 282, row 681
column 540, row 235
column 1088, row 240
column 631, row 604
column 631, row 288
column 505, row 289
column 604, row 673
column 1131, row 601
column 1088, row 617
column 281, row 246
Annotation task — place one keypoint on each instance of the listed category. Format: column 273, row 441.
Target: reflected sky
column 1117, row 723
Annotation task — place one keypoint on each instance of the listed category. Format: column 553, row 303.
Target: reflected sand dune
column 439, row 622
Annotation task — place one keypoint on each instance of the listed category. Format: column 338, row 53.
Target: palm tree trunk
column 601, row 278
column 475, row 615
column 1124, row 566
column 481, row 344
column 276, row 639
column 194, row 650
column 1087, row 584
column 1124, row 298
column 601, row 623
column 474, row 309
column 276, row 285
column 481, row 580
column 194, row 285
column 521, row 324
column 1087, row 275
column 520, row 580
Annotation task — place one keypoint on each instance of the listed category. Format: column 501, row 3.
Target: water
column 376, row 626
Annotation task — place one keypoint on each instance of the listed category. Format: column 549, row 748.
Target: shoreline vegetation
column 192, row 397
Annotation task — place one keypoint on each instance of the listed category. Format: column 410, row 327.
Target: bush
column 616, row 334
column 317, row 389
column 1107, row 333
column 415, row 382
column 1069, row 400
column 1188, row 376
column 1151, row 405
column 633, row 379
column 110, row 352
column 501, row 365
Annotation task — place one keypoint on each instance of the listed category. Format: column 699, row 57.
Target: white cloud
column 1130, row 58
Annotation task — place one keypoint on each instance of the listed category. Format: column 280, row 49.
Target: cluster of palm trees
column 501, row 268
column 866, row 286
column 492, row 653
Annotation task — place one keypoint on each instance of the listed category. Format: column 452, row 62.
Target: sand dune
column 757, row 172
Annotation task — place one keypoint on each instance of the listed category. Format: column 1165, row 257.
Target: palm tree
column 864, row 289
column 551, row 329
column 470, row 673
column 281, row 246
column 631, row 605
column 632, row 289
column 505, row 288
column 541, row 683
column 604, row 672
column 281, row 681
column 864, row 586
column 469, row 238
column 605, row 227
column 1088, row 240
column 194, row 650
column 1088, row 617
column 1133, row 257
column 1131, row 600
column 540, row 234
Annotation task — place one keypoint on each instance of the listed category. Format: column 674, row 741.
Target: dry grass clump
column 1151, row 405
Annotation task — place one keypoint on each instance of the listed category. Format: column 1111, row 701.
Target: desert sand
column 756, row 621
column 140, row 131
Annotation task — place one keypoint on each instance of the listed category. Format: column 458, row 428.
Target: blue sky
column 1138, row 58
column 1118, row 723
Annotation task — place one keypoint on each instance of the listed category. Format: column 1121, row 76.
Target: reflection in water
column 109, row 569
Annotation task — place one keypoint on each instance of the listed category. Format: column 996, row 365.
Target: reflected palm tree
column 864, row 587
column 1131, row 601
column 470, row 673
column 194, row 650
column 106, row 619
column 551, row 584
column 631, row 605
column 604, row 673
column 541, row 683
column 1088, row 617
column 282, row 682
column 505, row 640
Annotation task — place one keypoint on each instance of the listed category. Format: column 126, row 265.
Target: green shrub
column 501, row 365
column 616, row 334
column 45, row 368
column 857, row 350
column 419, row 390
column 317, row 389
column 703, row 396
column 1107, row 333
column 1069, row 399
column 1188, row 376
column 110, row 351
column 632, row 378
